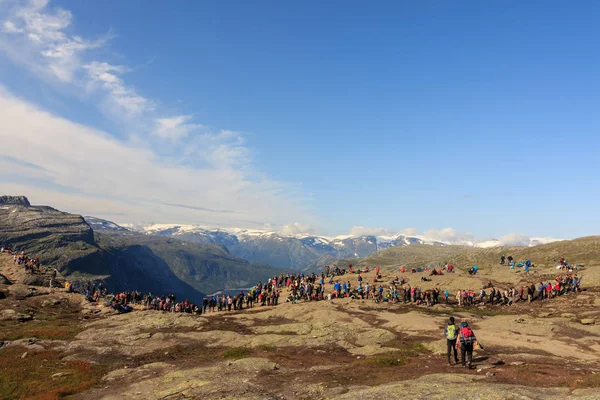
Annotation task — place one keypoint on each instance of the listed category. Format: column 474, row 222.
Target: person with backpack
column 451, row 333
column 466, row 339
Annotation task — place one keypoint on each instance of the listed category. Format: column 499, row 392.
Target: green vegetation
column 43, row 376
column 51, row 329
column 237, row 352
column 389, row 360
column 267, row 348
column 398, row 358
column 585, row 250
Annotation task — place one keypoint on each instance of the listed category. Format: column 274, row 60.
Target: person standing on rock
column 466, row 340
column 451, row 333
column 53, row 277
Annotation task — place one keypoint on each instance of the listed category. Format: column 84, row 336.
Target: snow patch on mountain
column 382, row 241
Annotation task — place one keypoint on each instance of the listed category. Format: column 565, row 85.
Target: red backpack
column 466, row 332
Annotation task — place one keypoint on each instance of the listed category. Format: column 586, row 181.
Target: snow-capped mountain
column 99, row 224
column 297, row 251
column 287, row 251
column 519, row 241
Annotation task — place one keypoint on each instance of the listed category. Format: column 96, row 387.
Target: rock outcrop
column 14, row 201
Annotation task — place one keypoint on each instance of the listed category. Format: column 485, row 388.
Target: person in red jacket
column 466, row 340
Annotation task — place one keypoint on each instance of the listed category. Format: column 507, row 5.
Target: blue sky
column 477, row 116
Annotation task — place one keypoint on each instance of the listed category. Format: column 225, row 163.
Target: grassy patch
column 31, row 377
column 286, row 333
column 267, row 348
column 53, row 329
column 237, row 352
column 389, row 360
column 418, row 348
column 397, row 358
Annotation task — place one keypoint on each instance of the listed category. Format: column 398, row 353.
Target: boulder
column 8, row 315
column 51, row 302
column 20, row 291
column 21, row 317
column 4, row 280
column 37, row 280
column 587, row 321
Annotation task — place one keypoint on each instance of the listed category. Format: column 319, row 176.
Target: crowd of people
column 333, row 282
column 329, row 285
column 544, row 290
column 31, row 265
column 260, row 295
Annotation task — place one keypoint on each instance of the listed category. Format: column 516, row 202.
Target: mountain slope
column 585, row 250
column 206, row 267
column 124, row 260
column 66, row 242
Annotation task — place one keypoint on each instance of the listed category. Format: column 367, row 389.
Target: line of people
column 543, row 291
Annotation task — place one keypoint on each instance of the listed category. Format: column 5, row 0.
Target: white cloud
column 297, row 229
column 363, row 231
column 514, row 239
column 36, row 37
column 410, row 231
column 166, row 167
column 174, row 128
column 449, row 235
column 105, row 75
column 85, row 170
column 10, row 27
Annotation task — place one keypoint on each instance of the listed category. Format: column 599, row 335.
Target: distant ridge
column 297, row 251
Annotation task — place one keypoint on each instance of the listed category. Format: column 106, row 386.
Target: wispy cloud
column 23, row 163
column 175, row 127
column 105, row 173
column 106, row 76
column 160, row 165
column 35, row 35
column 198, row 208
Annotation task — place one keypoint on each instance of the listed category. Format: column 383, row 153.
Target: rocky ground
column 55, row 344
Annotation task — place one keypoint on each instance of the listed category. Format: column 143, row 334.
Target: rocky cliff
column 55, row 236
column 125, row 262
column 14, row 201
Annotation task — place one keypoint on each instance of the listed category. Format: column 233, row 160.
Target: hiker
column 53, row 277
column 502, row 260
column 466, row 340
column 451, row 333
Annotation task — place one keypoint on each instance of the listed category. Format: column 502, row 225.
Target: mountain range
column 296, row 252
